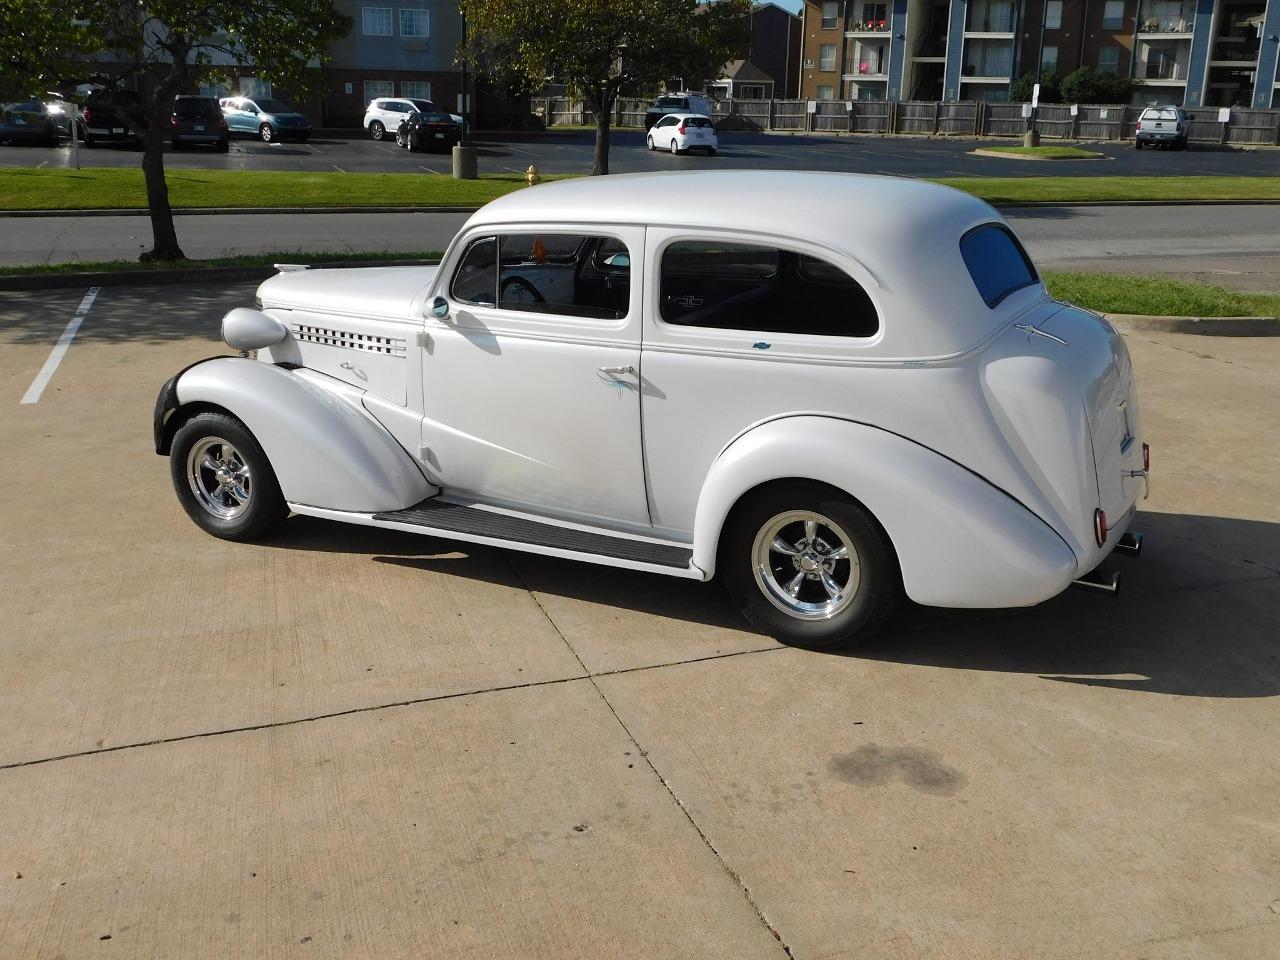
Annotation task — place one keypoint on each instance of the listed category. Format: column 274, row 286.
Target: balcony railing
column 865, row 67
column 1236, row 52
column 993, row 20
column 1157, row 25
column 1161, row 70
column 867, row 26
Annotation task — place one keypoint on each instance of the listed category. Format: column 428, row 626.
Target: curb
column 1002, row 155
column 119, row 278
column 1199, row 326
column 231, row 211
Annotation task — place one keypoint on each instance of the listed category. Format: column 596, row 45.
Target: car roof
column 682, row 116
column 904, row 233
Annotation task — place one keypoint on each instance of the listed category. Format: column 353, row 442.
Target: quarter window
column 996, row 261
column 745, row 286
column 376, row 21
column 560, row 274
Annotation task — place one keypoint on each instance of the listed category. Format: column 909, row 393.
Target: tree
column 161, row 48
column 1087, row 85
column 1021, row 88
column 600, row 49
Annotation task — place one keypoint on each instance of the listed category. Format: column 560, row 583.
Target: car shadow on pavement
column 1196, row 617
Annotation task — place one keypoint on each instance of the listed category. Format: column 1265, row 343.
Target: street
column 1235, row 245
column 571, row 152
column 349, row 742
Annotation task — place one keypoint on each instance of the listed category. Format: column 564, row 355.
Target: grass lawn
column 1158, row 296
column 23, row 188
column 1043, row 153
column 247, row 260
column 106, row 188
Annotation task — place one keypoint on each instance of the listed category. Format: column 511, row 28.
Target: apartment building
column 1194, row 52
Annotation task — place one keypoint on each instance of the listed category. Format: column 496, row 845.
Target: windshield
column 273, row 106
column 424, row 106
column 665, row 102
column 27, row 106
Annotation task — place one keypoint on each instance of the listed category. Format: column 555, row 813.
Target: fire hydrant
column 531, row 176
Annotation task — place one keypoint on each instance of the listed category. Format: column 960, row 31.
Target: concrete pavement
column 352, row 743
column 1234, row 245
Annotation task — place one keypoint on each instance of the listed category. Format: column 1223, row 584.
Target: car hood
column 377, row 292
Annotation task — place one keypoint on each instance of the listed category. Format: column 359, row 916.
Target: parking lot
column 571, row 152
column 348, row 742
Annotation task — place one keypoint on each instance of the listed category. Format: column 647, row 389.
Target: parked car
column 679, row 132
column 676, row 103
column 27, row 121
column 266, row 118
column 102, row 119
column 384, row 115
column 646, row 372
column 61, row 111
column 198, row 120
column 1165, row 126
column 428, row 131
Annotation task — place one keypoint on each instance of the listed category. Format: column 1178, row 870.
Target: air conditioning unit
column 808, row 64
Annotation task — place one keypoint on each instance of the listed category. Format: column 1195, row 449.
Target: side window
column 742, row 286
column 477, row 276
column 566, row 275
column 996, row 261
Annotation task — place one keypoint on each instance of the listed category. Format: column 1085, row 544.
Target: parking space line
column 429, row 170
column 41, row 164
column 338, row 168
column 59, row 350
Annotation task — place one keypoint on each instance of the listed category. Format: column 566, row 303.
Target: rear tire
column 808, row 565
column 711, row 151
column 649, row 143
column 377, row 130
column 224, row 480
column 1137, row 144
column 675, row 147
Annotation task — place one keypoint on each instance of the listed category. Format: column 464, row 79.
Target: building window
column 826, row 91
column 379, row 88
column 827, row 56
column 415, row 23
column 830, row 15
column 415, row 89
column 215, row 90
column 1109, row 60
column 1049, row 60
column 376, row 21
column 1053, row 15
column 1113, row 15
column 254, row 89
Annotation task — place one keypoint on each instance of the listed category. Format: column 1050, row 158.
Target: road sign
column 1035, row 96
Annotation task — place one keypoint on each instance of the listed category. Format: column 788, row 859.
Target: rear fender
column 960, row 541
column 326, row 451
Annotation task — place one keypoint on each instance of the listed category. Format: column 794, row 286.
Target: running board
column 1104, row 581
column 455, row 521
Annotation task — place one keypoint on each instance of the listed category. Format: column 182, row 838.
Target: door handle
column 623, row 371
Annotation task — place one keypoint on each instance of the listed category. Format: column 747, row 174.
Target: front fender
column 960, row 541
column 325, row 451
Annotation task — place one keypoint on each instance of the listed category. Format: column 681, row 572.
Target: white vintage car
column 826, row 389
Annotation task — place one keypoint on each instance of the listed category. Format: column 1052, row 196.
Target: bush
column 1087, row 85
column 1020, row 89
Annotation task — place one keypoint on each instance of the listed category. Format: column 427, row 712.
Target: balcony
column 1232, row 49
column 1161, row 70
column 867, row 26
column 1166, row 28
column 869, row 67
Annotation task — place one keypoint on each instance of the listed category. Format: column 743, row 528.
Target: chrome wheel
column 804, row 563
column 219, row 478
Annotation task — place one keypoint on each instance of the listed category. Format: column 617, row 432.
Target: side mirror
column 440, row 308
column 245, row 329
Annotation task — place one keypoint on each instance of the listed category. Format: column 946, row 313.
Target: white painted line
column 338, row 168
column 41, row 164
column 429, row 170
column 59, row 349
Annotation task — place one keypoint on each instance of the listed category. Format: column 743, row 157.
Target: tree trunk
column 164, row 236
column 603, row 107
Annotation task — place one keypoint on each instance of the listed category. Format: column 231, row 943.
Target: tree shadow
column 1196, row 618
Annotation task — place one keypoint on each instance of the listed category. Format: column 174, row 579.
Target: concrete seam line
column 372, row 708
column 643, row 754
column 59, row 350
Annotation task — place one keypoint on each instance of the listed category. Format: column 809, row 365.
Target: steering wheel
column 520, row 290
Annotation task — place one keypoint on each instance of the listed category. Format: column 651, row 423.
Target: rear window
column 668, row 103
column 274, row 106
column 1161, row 113
column 697, row 122
column 196, row 108
column 996, row 261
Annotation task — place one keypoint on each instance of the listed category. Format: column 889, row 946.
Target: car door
column 531, row 380
column 662, row 133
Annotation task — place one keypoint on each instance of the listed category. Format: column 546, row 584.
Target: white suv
column 385, row 114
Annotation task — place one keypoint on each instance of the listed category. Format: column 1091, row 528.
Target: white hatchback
column 678, row 132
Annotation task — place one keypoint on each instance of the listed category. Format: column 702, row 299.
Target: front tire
column 266, row 133
column 808, row 565
column 675, row 147
column 224, row 480
column 377, row 130
column 649, row 143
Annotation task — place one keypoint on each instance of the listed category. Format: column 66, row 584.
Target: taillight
column 222, row 123
column 173, row 121
column 680, row 129
column 1100, row 526
column 84, row 117
column 1146, row 456
column 1137, row 127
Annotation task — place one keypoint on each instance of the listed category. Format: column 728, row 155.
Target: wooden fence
column 931, row 118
